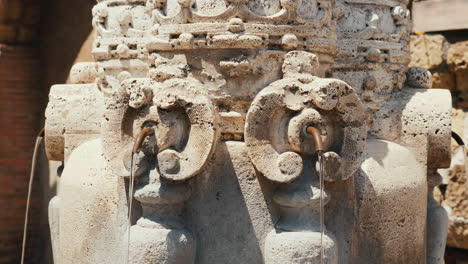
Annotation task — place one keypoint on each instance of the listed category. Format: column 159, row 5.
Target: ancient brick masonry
column 20, row 104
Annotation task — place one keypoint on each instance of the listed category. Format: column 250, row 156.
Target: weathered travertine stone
column 229, row 174
column 378, row 195
column 457, row 59
column 443, row 80
column 428, row 51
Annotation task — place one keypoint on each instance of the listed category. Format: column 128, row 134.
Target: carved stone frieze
column 373, row 39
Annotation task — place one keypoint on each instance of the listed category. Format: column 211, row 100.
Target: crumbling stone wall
column 448, row 62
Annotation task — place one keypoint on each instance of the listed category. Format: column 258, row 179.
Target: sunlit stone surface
column 229, row 88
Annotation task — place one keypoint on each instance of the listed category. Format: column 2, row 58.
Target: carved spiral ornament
column 279, row 114
column 185, row 123
column 179, row 94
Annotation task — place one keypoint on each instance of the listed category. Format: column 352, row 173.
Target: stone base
column 299, row 248
column 162, row 246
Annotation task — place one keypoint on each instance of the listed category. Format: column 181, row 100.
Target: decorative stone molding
column 294, row 98
column 373, row 41
column 186, row 132
column 228, row 176
column 275, row 129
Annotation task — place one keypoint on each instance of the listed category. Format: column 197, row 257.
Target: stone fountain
column 228, row 176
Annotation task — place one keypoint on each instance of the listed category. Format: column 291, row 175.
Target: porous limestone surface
column 428, row 51
column 96, row 206
column 213, row 99
column 389, row 178
column 231, row 209
column 457, row 60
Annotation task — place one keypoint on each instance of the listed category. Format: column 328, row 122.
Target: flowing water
column 31, row 180
column 322, row 218
column 130, row 203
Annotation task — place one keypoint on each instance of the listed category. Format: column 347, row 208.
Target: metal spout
column 317, row 137
column 41, row 133
column 141, row 137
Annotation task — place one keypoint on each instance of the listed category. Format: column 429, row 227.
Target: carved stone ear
column 271, row 143
column 182, row 162
column 352, row 119
column 274, row 162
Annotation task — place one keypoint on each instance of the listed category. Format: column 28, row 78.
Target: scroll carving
column 275, row 139
column 186, row 130
column 305, row 100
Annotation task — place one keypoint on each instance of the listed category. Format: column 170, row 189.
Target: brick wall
column 19, row 21
column 20, row 115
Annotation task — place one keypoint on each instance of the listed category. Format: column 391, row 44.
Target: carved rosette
column 275, row 138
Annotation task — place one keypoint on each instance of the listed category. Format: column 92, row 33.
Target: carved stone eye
column 374, row 54
column 289, row 41
column 123, row 51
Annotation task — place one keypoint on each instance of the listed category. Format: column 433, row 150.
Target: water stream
column 130, row 203
column 39, row 139
column 322, row 218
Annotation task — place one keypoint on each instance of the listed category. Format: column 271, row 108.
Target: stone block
column 457, row 60
column 443, row 80
column 453, row 197
column 428, row 51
